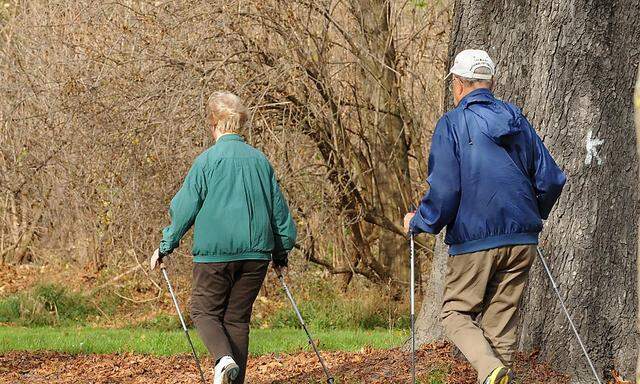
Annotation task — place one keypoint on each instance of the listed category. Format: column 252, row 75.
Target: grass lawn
column 263, row 341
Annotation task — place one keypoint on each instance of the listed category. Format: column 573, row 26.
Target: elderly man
column 492, row 182
column 242, row 221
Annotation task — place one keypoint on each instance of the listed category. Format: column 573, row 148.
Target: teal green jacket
column 232, row 196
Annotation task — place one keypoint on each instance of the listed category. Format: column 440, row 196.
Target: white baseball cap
column 467, row 61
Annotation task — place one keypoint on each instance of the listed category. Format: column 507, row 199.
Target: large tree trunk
column 568, row 65
column 636, row 102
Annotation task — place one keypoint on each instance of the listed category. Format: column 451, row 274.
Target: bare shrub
column 103, row 111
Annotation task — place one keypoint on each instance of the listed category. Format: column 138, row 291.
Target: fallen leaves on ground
column 18, row 278
column 366, row 366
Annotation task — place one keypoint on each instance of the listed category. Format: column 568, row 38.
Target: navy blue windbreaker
column 491, row 178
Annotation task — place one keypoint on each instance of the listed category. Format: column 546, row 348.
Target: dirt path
column 366, row 366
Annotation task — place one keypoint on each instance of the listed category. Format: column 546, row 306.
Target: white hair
column 227, row 112
column 480, row 71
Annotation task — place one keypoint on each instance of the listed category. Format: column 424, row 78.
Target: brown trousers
column 221, row 304
column 481, row 297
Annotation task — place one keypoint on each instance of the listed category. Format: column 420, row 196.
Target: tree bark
column 567, row 64
column 389, row 148
column 428, row 326
column 636, row 102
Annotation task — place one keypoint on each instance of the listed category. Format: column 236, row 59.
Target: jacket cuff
column 164, row 249
column 413, row 228
column 418, row 226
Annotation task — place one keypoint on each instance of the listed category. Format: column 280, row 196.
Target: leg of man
column 210, row 293
column 248, row 281
column 465, row 284
column 500, row 316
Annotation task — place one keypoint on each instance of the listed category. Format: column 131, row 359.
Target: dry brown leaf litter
column 366, row 366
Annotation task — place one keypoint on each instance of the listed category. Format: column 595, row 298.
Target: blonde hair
column 227, row 112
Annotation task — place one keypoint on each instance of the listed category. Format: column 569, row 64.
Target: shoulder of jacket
column 450, row 120
column 448, row 117
column 449, row 124
column 255, row 152
column 516, row 110
column 263, row 159
column 452, row 116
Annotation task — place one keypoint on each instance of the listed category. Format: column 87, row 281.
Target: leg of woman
column 248, row 281
column 210, row 294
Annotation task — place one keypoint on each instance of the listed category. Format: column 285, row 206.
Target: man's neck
column 473, row 90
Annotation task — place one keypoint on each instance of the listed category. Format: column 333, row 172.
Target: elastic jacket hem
column 493, row 242
column 225, row 258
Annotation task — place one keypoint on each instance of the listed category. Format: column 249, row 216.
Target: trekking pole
column 412, row 301
column 304, row 326
column 566, row 312
column 184, row 326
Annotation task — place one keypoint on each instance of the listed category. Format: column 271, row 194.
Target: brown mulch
column 18, row 278
column 366, row 366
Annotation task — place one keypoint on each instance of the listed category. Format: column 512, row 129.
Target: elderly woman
column 242, row 222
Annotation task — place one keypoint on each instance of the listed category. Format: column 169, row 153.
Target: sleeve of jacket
column 548, row 178
column 440, row 204
column 284, row 228
column 184, row 207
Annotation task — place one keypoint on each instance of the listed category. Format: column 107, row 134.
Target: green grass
column 49, row 304
column 339, row 313
column 155, row 342
column 326, row 308
column 436, row 376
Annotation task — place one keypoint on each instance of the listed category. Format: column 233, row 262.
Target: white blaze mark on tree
column 592, row 150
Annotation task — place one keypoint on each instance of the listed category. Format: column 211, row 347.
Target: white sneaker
column 225, row 371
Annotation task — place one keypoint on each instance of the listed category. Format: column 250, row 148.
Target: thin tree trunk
column 428, row 326
column 390, row 148
column 637, row 118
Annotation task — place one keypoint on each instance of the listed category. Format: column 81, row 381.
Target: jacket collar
column 480, row 95
column 229, row 137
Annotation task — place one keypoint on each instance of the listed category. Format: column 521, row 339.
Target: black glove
column 280, row 260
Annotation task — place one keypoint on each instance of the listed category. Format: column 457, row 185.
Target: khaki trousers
column 221, row 304
column 481, row 297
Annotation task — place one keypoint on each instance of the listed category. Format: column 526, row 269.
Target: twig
column 113, row 280
column 138, row 301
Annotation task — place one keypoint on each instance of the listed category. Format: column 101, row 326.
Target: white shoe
column 225, row 371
